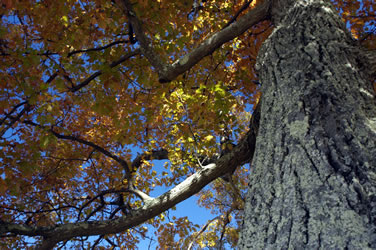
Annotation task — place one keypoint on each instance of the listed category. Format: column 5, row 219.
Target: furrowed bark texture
column 313, row 178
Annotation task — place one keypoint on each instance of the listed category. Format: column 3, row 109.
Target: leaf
column 208, row 138
column 65, row 20
column 44, row 142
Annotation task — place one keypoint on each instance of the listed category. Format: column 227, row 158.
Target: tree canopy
column 93, row 91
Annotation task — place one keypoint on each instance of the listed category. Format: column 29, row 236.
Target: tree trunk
column 313, row 178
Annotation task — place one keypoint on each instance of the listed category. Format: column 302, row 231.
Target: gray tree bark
column 313, row 178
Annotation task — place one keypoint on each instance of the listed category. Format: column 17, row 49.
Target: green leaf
column 44, row 141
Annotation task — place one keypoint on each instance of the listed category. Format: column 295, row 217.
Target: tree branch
column 144, row 197
column 160, row 154
column 241, row 154
column 49, row 53
column 122, row 162
column 233, row 19
column 7, row 115
column 226, row 221
column 12, row 118
column 100, row 72
column 146, row 44
column 202, row 230
column 101, row 194
column 168, row 72
column 97, row 48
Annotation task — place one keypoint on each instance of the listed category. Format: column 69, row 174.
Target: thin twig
column 98, row 148
column 233, row 19
column 100, row 72
column 202, row 231
column 98, row 48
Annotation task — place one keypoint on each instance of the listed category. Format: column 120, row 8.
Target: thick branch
column 212, row 43
column 145, row 42
column 241, row 154
column 169, row 72
column 161, row 154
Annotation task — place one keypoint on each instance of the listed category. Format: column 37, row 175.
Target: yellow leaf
column 208, row 138
column 354, row 33
column 65, row 20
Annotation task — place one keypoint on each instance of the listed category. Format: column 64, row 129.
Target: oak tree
column 205, row 86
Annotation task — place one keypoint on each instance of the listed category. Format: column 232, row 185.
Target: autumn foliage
column 79, row 102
